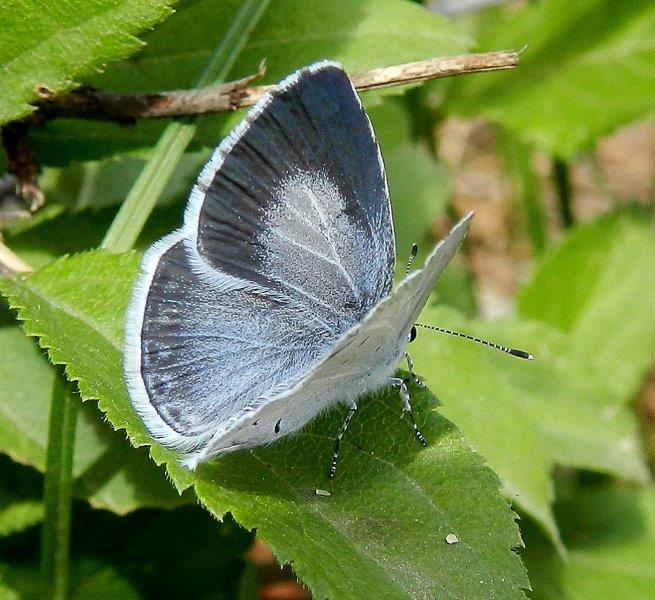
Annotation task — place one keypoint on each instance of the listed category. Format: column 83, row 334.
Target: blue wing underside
column 210, row 350
column 293, row 247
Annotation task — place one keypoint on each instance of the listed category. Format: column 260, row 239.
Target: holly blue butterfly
column 274, row 300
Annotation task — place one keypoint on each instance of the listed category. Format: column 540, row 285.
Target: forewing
column 383, row 334
column 296, row 200
column 201, row 354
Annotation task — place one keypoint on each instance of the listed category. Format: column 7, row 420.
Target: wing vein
column 327, row 259
column 321, row 215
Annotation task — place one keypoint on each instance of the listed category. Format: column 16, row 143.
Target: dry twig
column 91, row 103
column 11, row 263
column 22, row 163
column 88, row 102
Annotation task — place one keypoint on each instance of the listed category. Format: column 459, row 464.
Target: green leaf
column 598, row 286
column 91, row 579
column 584, row 72
column 50, row 43
column 381, row 532
column 17, row 514
column 525, row 416
column 108, row 472
column 292, row 33
column 20, row 497
column 580, row 422
column 569, row 406
column 611, row 535
column 490, row 412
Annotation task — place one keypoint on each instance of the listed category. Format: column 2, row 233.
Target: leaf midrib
column 53, row 302
column 392, row 467
column 314, row 509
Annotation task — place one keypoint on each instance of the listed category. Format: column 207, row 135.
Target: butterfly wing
column 286, row 243
column 362, row 360
column 296, row 200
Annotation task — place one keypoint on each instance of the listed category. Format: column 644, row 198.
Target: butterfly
column 274, row 300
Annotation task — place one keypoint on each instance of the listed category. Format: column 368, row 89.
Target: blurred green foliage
column 558, row 437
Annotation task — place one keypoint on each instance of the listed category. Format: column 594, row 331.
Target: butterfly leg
column 404, row 395
column 337, row 441
column 413, row 377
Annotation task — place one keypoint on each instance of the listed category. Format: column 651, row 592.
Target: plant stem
column 58, row 486
column 424, row 119
column 58, row 490
column 166, row 154
column 562, row 181
column 518, row 161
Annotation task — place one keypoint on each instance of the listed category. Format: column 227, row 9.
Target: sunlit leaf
column 392, row 503
column 51, row 43
column 108, row 472
column 598, row 286
column 584, row 71
column 525, row 416
column 20, row 498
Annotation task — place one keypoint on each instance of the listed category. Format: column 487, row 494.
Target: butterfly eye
column 412, row 334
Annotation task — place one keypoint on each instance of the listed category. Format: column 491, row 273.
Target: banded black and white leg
column 413, row 377
column 337, row 441
column 407, row 407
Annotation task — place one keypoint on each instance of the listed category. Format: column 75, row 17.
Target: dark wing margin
column 296, row 199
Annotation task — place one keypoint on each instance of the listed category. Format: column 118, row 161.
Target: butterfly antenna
column 505, row 349
column 410, row 259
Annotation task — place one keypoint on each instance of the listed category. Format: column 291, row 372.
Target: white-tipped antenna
column 505, row 349
column 410, row 259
